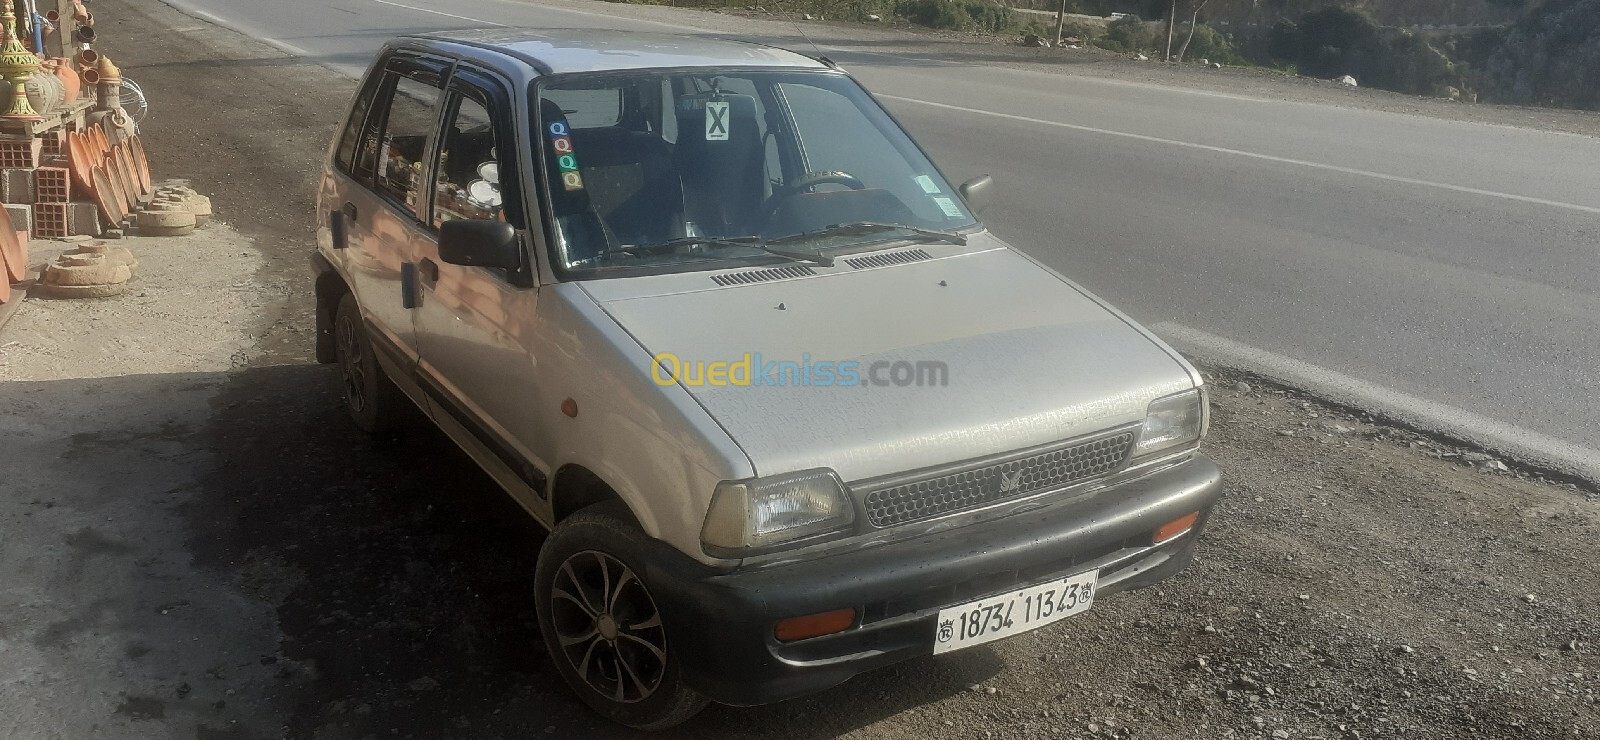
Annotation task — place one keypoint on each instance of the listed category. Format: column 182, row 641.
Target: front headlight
column 1173, row 421
column 761, row 512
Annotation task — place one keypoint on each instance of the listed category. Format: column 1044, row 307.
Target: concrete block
column 16, row 186
column 83, row 219
column 21, row 217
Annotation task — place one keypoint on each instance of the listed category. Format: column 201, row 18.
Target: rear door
column 381, row 204
column 476, row 327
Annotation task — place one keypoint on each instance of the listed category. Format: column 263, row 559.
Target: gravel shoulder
column 194, row 542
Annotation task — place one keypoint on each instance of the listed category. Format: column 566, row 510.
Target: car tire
column 375, row 404
column 601, row 625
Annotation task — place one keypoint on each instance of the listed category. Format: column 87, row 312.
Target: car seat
column 721, row 178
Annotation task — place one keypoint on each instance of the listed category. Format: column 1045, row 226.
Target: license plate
column 1013, row 613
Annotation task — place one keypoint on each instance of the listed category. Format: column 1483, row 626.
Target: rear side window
column 345, row 157
column 394, row 141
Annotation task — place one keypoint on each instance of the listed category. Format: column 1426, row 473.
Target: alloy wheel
column 608, row 627
column 351, row 366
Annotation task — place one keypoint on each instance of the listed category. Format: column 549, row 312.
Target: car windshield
column 677, row 171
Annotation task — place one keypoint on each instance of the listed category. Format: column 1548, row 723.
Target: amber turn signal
column 814, row 625
column 1175, row 527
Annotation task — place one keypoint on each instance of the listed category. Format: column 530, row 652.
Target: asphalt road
column 1444, row 272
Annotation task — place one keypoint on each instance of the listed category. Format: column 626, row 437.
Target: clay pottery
column 13, row 251
column 84, row 276
column 69, row 80
column 102, row 143
column 130, row 179
column 121, row 182
column 45, row 91
column 116, row 255
column 5, row 288
column 110, row 203
column 142, row 164
column 165, row 220
column 80, row 159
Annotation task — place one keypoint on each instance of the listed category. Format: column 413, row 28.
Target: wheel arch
column 575, row 488
column 330, row 288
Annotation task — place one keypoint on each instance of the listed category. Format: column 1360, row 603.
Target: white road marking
column 206, row 15
column 1254, row 155
column 1509, row 439
column 664, row 24
column 440, row 12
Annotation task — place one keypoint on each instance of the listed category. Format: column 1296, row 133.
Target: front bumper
column 721, row 622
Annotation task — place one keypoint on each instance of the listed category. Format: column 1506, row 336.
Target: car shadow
column 411, row 608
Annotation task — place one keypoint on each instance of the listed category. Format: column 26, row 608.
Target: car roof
column 563, row 50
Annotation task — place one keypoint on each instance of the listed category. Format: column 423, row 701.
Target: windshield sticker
column 927, row 184
column 571, row 179
column 951, row 210
column 717, row 121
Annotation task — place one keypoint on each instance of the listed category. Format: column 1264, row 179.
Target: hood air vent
column 762, row 276
column 892, row 258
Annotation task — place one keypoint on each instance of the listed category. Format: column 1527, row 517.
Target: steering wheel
column 806, row 182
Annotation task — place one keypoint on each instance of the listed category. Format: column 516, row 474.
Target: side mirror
column 476, row 243
column 976, row 192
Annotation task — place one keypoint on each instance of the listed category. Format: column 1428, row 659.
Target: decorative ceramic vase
column 46, row 92
column 108, row 79
column 17, row 65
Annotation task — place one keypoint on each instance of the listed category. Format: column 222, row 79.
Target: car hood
column 1029, row 359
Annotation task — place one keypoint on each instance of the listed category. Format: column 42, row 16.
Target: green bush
column 1130, row 34
column 1084, row 32
column 959, row 15
column 1551, row 57
column 1208, row 43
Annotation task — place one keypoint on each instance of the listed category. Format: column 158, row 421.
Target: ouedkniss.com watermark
column 752, row 370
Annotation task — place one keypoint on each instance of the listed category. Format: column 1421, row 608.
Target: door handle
column 338, row 229
column 429, row 270
column 349, row 211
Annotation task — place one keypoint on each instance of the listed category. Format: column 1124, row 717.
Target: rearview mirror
column 475, row 243
column 976, row 192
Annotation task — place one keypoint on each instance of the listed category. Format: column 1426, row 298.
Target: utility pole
column 1061, row 20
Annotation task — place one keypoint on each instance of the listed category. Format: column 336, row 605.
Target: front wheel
column 602, row 626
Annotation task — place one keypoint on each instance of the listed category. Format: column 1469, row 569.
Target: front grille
column 987, row 483
column 761, row 276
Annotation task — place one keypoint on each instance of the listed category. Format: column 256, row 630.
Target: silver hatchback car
column 707, row 313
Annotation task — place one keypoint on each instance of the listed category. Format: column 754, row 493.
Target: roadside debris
column 1347, row 81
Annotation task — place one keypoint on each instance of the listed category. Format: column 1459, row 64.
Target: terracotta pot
column 123, row 167
column 106, row 196
column 81, row 159
column 13, row 250
column 69, row 80
column 142, row 163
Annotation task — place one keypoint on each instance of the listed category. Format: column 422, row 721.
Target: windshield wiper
column 873, row 227
column 689, row 241
column 749, row 242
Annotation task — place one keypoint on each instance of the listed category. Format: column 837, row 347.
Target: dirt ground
column 195, row 543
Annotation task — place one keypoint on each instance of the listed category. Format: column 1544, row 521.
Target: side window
column 345, row 157
column 468, row 184
column 395, row 137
